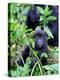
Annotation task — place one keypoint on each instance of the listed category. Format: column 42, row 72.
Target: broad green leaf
column 48, row 13
column 49, row 33
column 46, row 9
column 52, row 68
column 41, row 10
column 25, row 11
column 51, row 18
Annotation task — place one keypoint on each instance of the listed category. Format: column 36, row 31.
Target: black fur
column 32, row 18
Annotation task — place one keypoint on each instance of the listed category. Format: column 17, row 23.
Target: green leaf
column 51, row 68
column 13, row 26
column 51, row 18
column 46, row 9
column 16, row 72
column 25, row 11
column 29, row 30
column 36, row 71
column 47, row 30
column 41, row 10
column 49, row 13
column 26, row 70
column 41, row 18
column 44, row 55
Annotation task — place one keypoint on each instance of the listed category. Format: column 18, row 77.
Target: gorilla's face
column 34, row 17
column 40, row 38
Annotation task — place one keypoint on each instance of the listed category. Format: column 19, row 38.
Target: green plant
column 45, row 18
column 20, row 36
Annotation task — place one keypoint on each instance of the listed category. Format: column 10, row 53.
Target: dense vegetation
column 19, row 35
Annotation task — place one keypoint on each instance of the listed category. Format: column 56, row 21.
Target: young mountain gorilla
column 40, row 46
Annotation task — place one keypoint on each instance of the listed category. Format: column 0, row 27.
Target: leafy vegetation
column 45, row 18
column 20, row 36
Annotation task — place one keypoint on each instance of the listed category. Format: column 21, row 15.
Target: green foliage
column 45, row 18
column 54, row 55
column 20, row 36
column 18, row 33
column 47, row 30
column 37, row 69
column 16, row 72
column 44, row 55
column 25, row 11
column 51, row 69
column 26, row 70
column 46, row 15
column 21, row 71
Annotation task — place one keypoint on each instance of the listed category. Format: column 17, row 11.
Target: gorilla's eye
column 40, row 35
